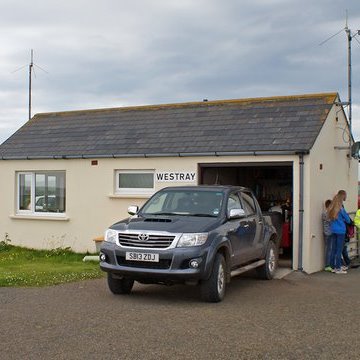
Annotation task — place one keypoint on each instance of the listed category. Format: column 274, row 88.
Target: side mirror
column 132, row 210
column 236, row 213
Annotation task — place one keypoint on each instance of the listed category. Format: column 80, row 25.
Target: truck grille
column 150, row 241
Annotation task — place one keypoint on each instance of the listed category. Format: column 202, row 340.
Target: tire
column 213, row 289
column 120, row 286
column 267, row 271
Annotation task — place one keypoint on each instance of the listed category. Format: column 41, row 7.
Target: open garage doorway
column 272, row 184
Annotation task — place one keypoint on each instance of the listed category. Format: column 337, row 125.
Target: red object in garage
column 286, row 239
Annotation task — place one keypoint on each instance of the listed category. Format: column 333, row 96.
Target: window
column 156, row 204
column 233, row 202
column 248, row 202
column 41, row 192
column 184, row 202
column 135, row 182
column 25, row 191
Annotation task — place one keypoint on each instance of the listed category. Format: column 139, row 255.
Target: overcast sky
column 113, row 53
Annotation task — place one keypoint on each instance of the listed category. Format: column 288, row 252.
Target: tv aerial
column 350, row 36
column 32, row 66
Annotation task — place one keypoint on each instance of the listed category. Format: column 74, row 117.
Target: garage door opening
column 272, row 184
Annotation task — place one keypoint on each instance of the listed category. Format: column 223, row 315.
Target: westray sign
column 176, row 176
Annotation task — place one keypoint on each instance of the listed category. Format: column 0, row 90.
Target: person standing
column 345, row 255
column 357, row 225
column 338, row 219
column 327, row 235
column 357, row 219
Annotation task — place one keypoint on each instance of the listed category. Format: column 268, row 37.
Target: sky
column 98, row 54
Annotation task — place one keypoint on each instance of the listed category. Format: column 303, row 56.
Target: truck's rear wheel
column 267, row 271
column 213, row 289
column 119, row 286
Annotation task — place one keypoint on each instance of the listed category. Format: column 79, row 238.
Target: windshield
column 184, row 202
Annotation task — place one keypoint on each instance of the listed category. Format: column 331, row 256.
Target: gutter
column 154, row 155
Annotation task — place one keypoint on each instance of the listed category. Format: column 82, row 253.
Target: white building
column 66, row 177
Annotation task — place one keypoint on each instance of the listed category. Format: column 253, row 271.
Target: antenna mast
column 31, row 71
column 349, row 38
column 30, row 76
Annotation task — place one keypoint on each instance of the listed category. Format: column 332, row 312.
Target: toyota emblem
column 143, row 237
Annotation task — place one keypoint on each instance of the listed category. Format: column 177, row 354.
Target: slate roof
column 276, row 124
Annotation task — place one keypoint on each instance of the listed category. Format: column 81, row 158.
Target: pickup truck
column 190, row 234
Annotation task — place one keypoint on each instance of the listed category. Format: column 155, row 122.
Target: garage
column 290, row 150
column 272, row 184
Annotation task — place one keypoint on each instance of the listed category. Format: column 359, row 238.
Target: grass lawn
column 27, row 267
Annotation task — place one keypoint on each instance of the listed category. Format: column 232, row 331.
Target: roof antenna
column 350, row 36
column 32, row 66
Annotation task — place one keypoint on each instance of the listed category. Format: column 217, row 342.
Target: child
column 327, row 235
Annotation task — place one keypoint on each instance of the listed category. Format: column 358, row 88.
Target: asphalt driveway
column 297, row 317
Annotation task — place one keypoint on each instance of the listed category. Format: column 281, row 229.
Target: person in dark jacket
column 327, row 235
column 339, row 218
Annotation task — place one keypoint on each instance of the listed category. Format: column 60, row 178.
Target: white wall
column 91, row 205
column 327, row 170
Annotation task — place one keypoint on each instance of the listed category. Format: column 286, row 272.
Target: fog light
column 102, row 257
column 194, row 264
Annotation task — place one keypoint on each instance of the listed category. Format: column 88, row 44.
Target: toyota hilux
column 190, row 234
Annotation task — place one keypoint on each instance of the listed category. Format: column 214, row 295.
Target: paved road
column 298, row 317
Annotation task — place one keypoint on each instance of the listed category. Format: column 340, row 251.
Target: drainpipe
column 301, row 211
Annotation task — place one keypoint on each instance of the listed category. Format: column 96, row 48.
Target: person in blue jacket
column 339, row 218
column 345, row 254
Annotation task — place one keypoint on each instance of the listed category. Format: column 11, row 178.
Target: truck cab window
column 234, row 202
column 248, row 202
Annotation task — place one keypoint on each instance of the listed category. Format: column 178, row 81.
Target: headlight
column 111, row 235
column 192, row 239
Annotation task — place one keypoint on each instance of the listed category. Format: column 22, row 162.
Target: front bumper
column 173, row 266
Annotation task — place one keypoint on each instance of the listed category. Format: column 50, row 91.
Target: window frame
column 134, row 191
column 31, row 211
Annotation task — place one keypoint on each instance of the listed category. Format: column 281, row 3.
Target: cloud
column 113, row 53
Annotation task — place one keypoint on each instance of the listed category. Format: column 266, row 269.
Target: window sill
column 37, row 217
column 130, row 196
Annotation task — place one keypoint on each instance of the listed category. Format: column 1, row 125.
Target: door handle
column 246, row 225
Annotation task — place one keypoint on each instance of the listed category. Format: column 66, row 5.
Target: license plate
column 137, row 256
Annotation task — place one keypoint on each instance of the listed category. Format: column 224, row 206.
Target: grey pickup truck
column 190, row 234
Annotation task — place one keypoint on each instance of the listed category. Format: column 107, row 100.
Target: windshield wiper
column 167, row 213
column 178, row 214
column 203, row 215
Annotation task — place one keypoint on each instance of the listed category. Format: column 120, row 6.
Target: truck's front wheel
column 119, row 286
column 213, row 289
